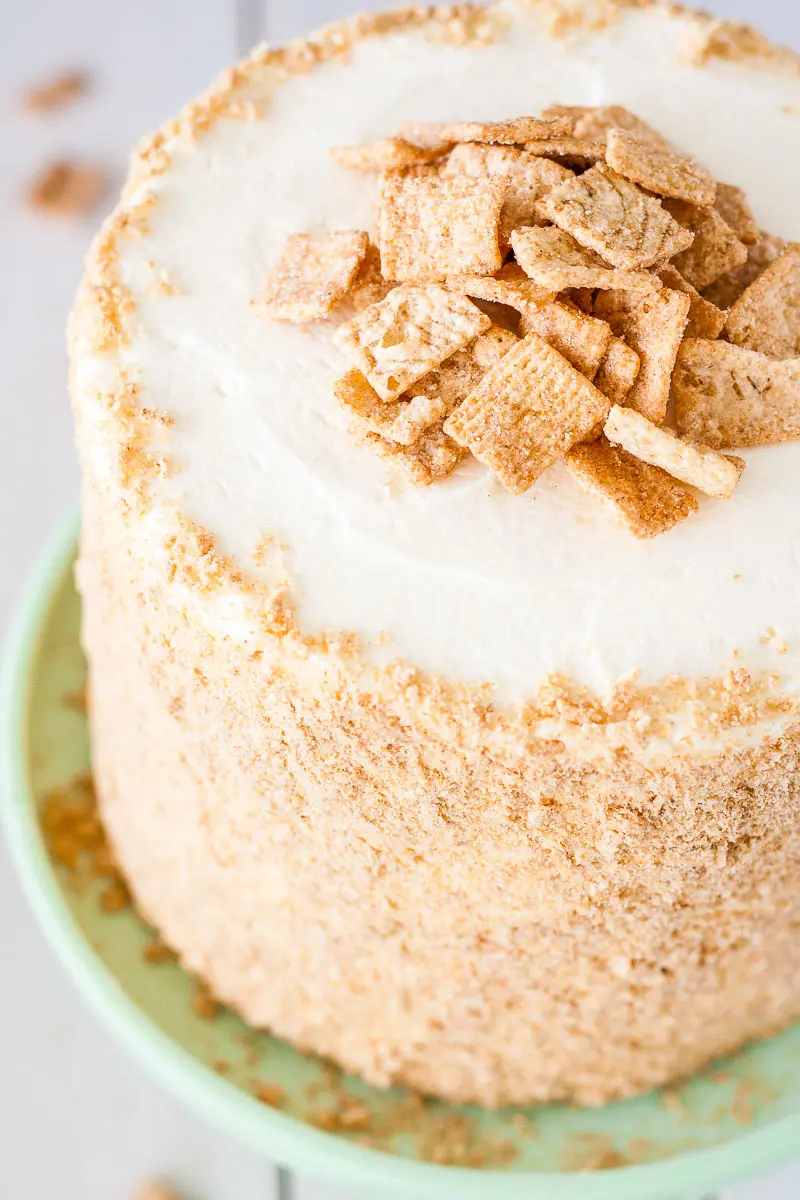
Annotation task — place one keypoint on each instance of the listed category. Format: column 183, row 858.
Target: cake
column 488, row 787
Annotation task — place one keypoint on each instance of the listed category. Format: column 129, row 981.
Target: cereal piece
column 726, row 290
column 733, row 41
column 271, row 1094
column 68, row 189
column 715, row 249
column 700, row 466
column 526, row 412
column 490, row 347
column 726, row 396
column 312, row 275
column 57, row 93
column 400, row 421
column 766, row 317
column 594, row 123
column 458, row 375
column 731, row 204
column 388, row 154
column 431, row 227
column 155, row 1190
column 617, row 372
column 580, row 297
column 369, row 285
column 705, row 319
column 653, row 326
column 577, row 152
column 658, row 167
column 431, row 458
column 583, row 341
column 506, row 133
column 646, row 499
column 509, row 286
column 615, row 218
column 553, row 259
column 528, row 178
column 397, row 341
column 425, row 134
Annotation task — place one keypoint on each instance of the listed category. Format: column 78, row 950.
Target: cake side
column 499, row 929
column 442, row 879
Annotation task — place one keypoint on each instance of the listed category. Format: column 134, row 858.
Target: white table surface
column 78, row 1119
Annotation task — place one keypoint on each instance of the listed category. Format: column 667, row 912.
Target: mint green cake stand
column 733, row 1120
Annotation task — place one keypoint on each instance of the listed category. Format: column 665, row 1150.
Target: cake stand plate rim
column 279, row 1136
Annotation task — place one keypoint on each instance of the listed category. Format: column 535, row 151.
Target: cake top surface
column 465, row 578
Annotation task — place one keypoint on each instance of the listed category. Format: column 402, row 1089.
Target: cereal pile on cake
column 565, row 287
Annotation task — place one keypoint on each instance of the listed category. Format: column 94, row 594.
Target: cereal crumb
column 57, row 93
column 67, row 189
column 155, row 1190
column 270, row 1094
column 157, row 952
column 203, row 1003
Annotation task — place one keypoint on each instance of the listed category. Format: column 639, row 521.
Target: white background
column 78, row 1121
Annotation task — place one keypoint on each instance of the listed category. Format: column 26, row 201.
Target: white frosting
column 466, row 579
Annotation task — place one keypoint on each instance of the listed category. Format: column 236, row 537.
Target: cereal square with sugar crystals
column 526, row 412
column 388, row 154
column 725, row 291
column 553, row 259
column 715, row 249
column 570, row 151
column 644, row 498
column 401, row 421
column 527, row 178
column 510, row 286
column 593, row 123
column 398, row 340
column 726, row 396
column 653, row 326
column 582, row 340
column 705, row 319
column 460, row 374
column 312, row 275
column 369, row 286
column 506, row 133
column 692, row 463
column 431, row 226
column 732, row 205
column 432, row 457
column 766, row 317
column 617, row 373
column 612, row 216
column 659, row 168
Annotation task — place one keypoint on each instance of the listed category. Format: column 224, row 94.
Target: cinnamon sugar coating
column 422, row 803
